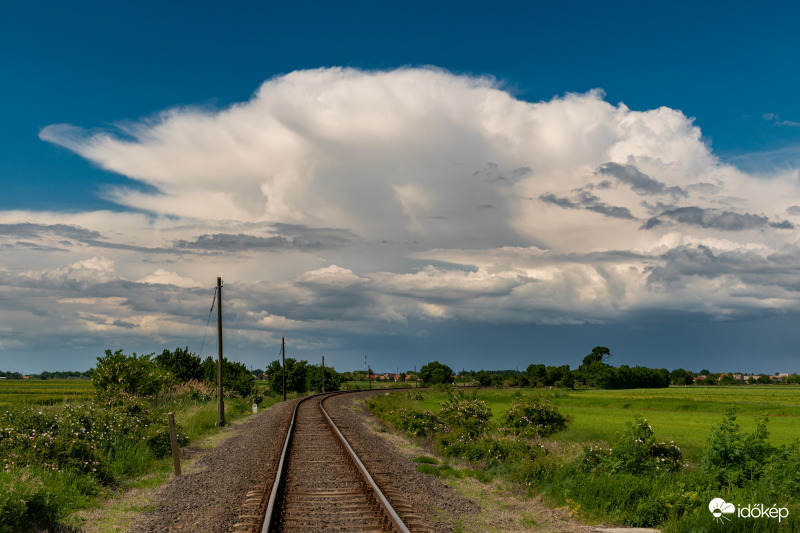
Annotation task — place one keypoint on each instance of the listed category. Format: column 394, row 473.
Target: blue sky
column 486, row 186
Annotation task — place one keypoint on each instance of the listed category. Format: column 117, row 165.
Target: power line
column 213, row 301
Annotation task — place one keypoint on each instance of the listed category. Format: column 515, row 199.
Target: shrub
column 533, row 416
column 486, row 450
column 132, row 374
column 78, row 437
column 635, row 452
column 194, row 390
column 731, row 457
column 465, row 413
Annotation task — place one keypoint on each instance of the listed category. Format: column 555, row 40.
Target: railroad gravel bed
column 210, row 497
column 427, row 494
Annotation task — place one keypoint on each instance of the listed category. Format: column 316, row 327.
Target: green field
column 682, row 414
column 43, row 392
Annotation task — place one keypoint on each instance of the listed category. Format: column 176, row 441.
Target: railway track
column 322, row 485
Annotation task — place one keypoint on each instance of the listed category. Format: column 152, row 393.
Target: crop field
column 43, row 392
column 682, row 414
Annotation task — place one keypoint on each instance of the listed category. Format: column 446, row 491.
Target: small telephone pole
column 221, row 403
column 283, row 365
column 323, row 373
column 416, row 378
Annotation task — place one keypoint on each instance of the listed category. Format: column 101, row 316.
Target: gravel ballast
column 210, row 497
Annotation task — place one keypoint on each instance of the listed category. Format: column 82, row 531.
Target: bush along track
column 636, row 480
column 57, row 459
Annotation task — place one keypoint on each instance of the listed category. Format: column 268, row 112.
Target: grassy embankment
column 677, row 501
column 39, row 490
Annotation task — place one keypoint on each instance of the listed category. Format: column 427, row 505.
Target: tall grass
column 35, row 498
column 676, row 501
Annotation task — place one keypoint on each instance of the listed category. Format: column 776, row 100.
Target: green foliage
column 79, row 437
column 235, row 376
column 599, row 355
column 185, row 366
column 732, row 457
column 485, row 449
column 483, row 378
column 131, row 374
column 35, row 499
column 295, row 376
column 548, row 376
column 635, row 452
column 333, row 380
column 681, row 376
column 435, row 372
column 532, row 416
column 465, row 413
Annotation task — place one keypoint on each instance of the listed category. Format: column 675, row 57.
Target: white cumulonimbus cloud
column 416, row 194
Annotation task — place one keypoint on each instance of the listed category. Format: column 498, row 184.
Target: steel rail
column 270, row 518
column 276, row 485
column 397, row 522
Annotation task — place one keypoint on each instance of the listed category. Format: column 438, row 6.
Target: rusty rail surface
column 320, row 484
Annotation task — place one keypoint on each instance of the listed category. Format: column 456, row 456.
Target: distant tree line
column 301, row 377
column 595, row 371
column 70, row 374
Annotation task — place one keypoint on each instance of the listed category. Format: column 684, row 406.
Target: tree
column 600, row 354
column 483, row 378
column 681, row 376
column 235, row 376
column 183, row 364
column 133, row 374
column 435, row 372
column 295, row 376
column 333, row 380
column 536, row 374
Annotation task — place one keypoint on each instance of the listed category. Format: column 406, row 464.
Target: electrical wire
column 213, row 301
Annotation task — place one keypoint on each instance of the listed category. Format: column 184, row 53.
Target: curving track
column 321, row 484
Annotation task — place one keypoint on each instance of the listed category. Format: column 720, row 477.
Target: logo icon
column 719, row 508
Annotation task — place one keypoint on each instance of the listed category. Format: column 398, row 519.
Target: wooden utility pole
column 416, row 378
column 323, row 373
column 221, row 403
column 283, row 366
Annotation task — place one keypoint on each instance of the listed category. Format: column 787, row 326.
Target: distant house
column 699, row 378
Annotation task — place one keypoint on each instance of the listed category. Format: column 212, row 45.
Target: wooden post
column 173, row 439
column 283, row 366
column 416, row 378
column 323, row 373
column 221, row 403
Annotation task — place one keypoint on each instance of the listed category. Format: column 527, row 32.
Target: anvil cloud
column 391, row 202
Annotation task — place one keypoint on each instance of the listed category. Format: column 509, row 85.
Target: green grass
column 682, row 414
column 35, row 498
column 677, row 502
column 43, row 392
